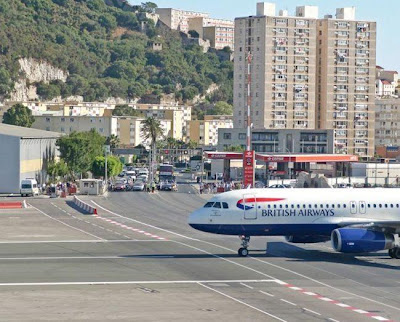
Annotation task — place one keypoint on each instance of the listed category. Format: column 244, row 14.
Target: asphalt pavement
column 139, row 260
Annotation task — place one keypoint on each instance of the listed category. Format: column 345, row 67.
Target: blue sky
column 385, row 12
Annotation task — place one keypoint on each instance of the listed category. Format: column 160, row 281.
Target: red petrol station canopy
column 284, row 157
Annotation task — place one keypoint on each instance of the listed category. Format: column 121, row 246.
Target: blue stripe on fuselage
column 268, row 230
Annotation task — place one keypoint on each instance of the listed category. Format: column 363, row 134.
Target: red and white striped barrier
column 11, row 205
column 84, row 206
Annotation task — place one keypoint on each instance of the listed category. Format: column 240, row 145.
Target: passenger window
column 286, row 206
column 369, row 206
column 344, row 206
column 315, row 206
column 322, row 206
column 269, row 206
column 298, row 206
column 338, row 205
column 327, row 206
column 280, row 206
column 275, row 206
column 374, row 205
column 304, row 206
column 225, row 205
column 380, row 205
column 217, row 205
column 386, row 205
column 391, row 205
column 333, row 206
column 309, row 206
column 292, row 206
column 397, row 205
column 209, row 205
column 353, row 205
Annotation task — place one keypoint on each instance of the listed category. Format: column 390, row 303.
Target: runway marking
column 97, row 241
column 88, row 222
column 248, row 286
column 132, row 282
column 311, row 311
column 84, row 257
column 126, row 227
column 266, row 293
column 283, row 300
column 333, row 320
column 243, row 303
column 256, row 259
column 61, row 222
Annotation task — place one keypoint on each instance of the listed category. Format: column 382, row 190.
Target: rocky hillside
column 99, row 49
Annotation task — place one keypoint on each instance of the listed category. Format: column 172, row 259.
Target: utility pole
column 106, row 151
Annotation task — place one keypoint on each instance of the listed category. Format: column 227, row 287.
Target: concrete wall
column 9, row 164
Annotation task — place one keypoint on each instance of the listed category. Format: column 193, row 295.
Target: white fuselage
column 283, row 212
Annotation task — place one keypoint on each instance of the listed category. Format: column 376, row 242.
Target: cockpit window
column 209, row 204
column 225, row 205
column 217, row 205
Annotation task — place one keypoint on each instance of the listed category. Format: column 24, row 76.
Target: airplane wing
column 367, row 223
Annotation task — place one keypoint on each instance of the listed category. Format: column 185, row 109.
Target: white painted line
column 244, row 303
column 295, row 288
column 360, row 311
column 97, row 241
column 333, row 320
column 310, row 293
column 83, row 257
column 326, row 299
column 248, row 286
column 281, row 282
column 283, row 300
column 380, row 318
column 61, row 222
column 313, row 312
column 130, row 282
column 266, row 293
column 342, row 305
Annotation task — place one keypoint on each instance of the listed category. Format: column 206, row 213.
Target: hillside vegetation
column 104, row 51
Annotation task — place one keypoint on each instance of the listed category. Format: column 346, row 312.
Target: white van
column 143, row 171
column 29, row 187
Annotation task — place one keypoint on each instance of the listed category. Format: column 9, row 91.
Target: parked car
column 120, row 186
column 138, row 186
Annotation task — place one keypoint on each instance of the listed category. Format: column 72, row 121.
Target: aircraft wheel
column 391, row 252
column 243, row 252
column 396, row 252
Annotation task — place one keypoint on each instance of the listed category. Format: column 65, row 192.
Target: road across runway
column 139, row 260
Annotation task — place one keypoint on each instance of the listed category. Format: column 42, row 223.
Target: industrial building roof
column 26, row 133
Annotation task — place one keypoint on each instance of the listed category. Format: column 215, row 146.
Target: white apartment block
column 205, row 132
column 178, row 19
column 346, row 62
column 387, row 122
column 105, row 126
column 219, row 32
column 283, row 51
column 386, row 82
column 308, row 73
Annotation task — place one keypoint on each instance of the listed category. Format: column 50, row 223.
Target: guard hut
column 93, row 187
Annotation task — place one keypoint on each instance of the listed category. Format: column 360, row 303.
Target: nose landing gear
column 394, row 252
column 243, row 251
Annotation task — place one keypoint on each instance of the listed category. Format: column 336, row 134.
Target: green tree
column 152, row 130
column 57, row 169
column 6, row 83
column 149, row 7
column 113, row 141
column 234, row 148
column 221, row 108
column 79, row 149
column 125, row 110
column 114, row 166
column 19, row 115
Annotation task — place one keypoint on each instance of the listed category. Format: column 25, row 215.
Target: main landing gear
column 394, row 252
column 243, row 251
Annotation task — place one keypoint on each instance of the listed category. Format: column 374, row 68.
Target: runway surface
column 139, row 260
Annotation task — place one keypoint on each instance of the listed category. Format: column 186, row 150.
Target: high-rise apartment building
column 307, row 73
column 178, row 19
column 387, row 122
column 283, row 51
column 346, row 62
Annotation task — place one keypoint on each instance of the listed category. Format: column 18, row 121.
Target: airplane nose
column 194, row 218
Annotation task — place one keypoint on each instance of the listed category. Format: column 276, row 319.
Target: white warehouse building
column 24, row 154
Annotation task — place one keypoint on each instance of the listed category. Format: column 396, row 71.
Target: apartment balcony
column 340, row 116
column 358, row 54
column 279, row 126
column 341, row 108
column 280, row 117
column 361, row 125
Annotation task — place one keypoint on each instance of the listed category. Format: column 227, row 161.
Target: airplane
column 355, row 220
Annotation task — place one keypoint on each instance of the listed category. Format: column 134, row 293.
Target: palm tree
column 113, row 141
column 152, row 130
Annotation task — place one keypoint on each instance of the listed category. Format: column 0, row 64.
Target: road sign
column 248, row 168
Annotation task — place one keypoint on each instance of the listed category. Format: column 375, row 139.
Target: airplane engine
column 306, row 239
column 354, row 240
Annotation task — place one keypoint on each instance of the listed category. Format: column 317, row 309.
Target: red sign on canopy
column 248, row 168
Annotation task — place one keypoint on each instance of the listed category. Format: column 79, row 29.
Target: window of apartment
column 280, row 86
column 342, row 79
column 242, row 136
column 280, row 49
column 227, row 136
column 342, row 24
column 342, row 42
column 342, row 70
column 71, row 119
column 280, row 58
column 47, row 119
column 281, row 21
column 342, row 33
column 280, row 77
column 62, row 130
column 63, row 119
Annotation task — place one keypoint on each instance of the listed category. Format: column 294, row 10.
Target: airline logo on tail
column 248, row 203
